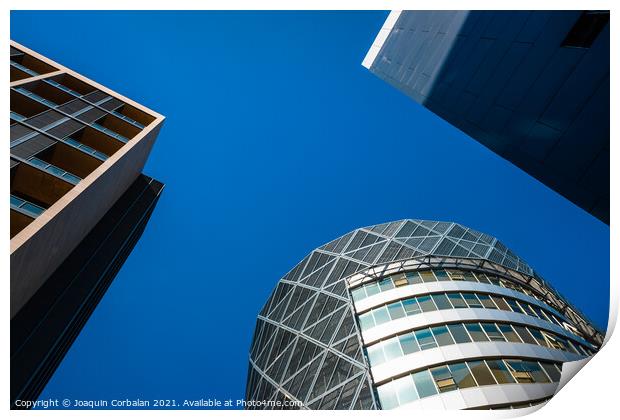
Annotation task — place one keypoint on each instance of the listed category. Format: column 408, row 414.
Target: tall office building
column 79, row 203
column 414, row 314
column 531, row 86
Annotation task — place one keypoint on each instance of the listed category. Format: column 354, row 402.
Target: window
column 381, row 315
column 520, row 373
column 509, row 333
column 411, row 306
column 366, row 321
column 514, row 305
column 528, row 309
column 426, row 304
column 501, row 304
column 492, row 331
column 456, row 275
column 396, row 310
column 409, row 343
column 552, row 370
column 472, row 300
column 375, row 354
column 482, row 278
column 427, row 276
column 469, row 276
column 405, row 390
column 387, row 396
column 442, row 336
column 487, row 302
column 425, row 339
column 443, row 379
column 386, row 284
column 586, row 29
column 442, row 275
column 540, row 339
column 391, row 348
column 526, row 337
column 462, row 376
column 476, row 333
column 413, row 278
column 372, row 289
column 442, row 302
column 456, row 300
column 459, row 333
column 536, row 371
column 500, row 371
column 424, row 384
column 358, row 294
column 481, row 372
column 399, row 280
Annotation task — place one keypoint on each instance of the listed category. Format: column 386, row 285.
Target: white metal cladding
column 307, row 346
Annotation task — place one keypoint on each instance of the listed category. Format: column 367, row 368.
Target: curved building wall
column 413, row 314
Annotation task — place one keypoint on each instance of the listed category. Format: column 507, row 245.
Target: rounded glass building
column 413, row 314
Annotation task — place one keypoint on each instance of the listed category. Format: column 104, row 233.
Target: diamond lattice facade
column 413, row 313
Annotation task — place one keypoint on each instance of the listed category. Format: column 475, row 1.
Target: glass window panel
column 32, row 208
column 16, row 201
column 509, row 333
column 492, row 332
column 426, row 304
column 396, row 310
column 538, row 336
column 462, row 376
column 399, row 280
column 425, row 339
column 366, row 321
column 392, row 350
column 413, row 278
column 500, row 371
column 487, row 302
column 443, row 379
column 427, row 276
column 411, row 306
column 552, row 371
column 408, row 343
column 424, row 384
column 442, row 336
column 456, row 275
column 405, row 390
column 386, row 284
column 457, row 300
column 472, row 300
column 442, row 275
column 358, row 294
column 476, row 333
column 482, row 278
column 536, row 371
column 441, row 300
column 528, row 310
column 381, row 315
column 525, row 336
column 514, row 305
column 520, row 373
column 501, row 303
column 459, row 333
column 375, row 354
column 387, row 396
column 469, row 276
column 481, row 372
column 372, row 289
column 493, row 280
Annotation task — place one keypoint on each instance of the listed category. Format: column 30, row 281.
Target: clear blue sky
column 276, row 141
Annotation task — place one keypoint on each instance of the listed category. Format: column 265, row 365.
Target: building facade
column 532, row 86
column 414, row 314
column 78, row 205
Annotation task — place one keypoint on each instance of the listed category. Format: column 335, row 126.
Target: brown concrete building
column 79, row 203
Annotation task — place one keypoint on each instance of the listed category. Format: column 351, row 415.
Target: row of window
column 24, row 68
column 432, row 276
column 453, row 300
column 26, row 206
column 85, row 148
column 463, row 375
column 52, row 104
column 444, row 335
column 55, row 170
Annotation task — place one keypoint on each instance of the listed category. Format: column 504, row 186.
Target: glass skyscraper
column 415, row 314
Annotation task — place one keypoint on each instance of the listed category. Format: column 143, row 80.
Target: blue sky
column 276, row 141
